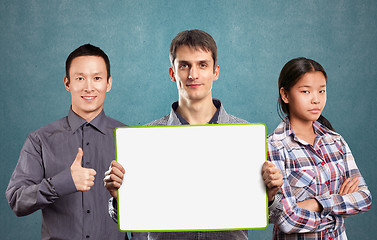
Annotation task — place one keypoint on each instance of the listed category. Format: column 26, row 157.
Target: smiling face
column 88, row 85
column 307, row 98
column 194, row 73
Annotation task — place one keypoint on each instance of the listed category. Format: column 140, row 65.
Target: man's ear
column 109, row 83
column 66, row 83
column 172, row 74
column 284, row 95
column 216, row 73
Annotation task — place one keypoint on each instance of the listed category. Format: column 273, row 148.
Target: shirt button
column 323, row 163
column 88, row 211
column 87, row 236
column 330, row 238
column 327, row 182
column 87, row 143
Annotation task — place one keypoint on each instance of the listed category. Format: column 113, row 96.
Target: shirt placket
column 325, row 176
column 86, row 203
column 328, row 235
column 323, row 171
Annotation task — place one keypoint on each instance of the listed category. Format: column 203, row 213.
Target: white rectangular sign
column 181, row 178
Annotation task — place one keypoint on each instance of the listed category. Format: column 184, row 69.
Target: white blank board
column 182, row 178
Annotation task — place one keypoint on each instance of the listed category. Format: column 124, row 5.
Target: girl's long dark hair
column 289, row 76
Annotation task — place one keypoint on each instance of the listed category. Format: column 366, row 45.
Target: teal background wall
column 255, row 39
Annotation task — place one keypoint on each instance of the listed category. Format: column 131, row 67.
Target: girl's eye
column 322, row 91
column 305, row 91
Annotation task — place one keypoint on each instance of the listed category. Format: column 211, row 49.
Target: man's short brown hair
column 194, row 39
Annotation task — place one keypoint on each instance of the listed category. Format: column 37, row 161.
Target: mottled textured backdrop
column 255, row 39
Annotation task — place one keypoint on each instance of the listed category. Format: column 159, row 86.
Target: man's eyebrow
column 98, row 73
column 80, row 73
column 200, row 61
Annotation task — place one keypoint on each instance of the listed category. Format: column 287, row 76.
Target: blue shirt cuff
column 327, row 204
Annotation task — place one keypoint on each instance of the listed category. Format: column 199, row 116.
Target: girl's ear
column 284, row 95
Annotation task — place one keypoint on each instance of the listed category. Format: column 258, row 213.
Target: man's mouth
column 88, row 97
column 194, row 85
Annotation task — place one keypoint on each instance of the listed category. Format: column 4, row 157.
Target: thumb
column 78, row 157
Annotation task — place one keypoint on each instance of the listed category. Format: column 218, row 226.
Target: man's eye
column 183, row 66
column 97, row 78
column 80, row 78
column 203, row 65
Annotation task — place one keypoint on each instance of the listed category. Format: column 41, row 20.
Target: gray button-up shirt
column 220, row 117
column 42, row 178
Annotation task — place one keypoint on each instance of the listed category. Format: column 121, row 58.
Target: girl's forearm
column 311, row 205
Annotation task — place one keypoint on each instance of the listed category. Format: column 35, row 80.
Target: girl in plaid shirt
column 322, row 184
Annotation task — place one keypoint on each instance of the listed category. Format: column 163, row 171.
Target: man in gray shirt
column 193, row 56
column 58, row 162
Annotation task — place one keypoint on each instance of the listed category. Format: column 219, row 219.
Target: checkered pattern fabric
column 315, row 172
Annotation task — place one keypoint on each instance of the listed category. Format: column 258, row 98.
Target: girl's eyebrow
column 306, row 86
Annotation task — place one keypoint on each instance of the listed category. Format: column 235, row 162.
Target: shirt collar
column 282, row 131
column 75, row 121
column 319, row 129
column 290, row 132
column 176, row 119
column 285, row 130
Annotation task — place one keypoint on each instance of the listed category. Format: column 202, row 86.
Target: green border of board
column 195, row 230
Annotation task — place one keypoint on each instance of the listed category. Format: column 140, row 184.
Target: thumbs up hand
column 82, row 177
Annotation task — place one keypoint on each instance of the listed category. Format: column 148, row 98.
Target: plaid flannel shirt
column 315, row 172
